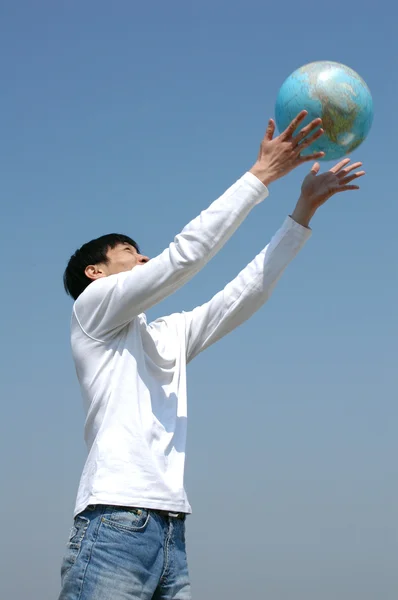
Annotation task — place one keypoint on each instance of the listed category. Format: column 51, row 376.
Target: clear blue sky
column 132, row 117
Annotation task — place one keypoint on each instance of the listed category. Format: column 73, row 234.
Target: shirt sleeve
column 109, row 303
column 245, row 294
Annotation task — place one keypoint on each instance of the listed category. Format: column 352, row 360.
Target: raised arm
column 111, row 302
column 254, row 285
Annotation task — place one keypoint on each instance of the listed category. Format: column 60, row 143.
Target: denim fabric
column 117, row 553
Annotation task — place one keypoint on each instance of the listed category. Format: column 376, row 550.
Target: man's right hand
column 277, row 157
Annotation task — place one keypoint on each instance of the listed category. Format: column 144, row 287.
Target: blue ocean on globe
column 335, row 93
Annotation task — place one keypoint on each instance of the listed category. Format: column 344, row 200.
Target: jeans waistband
column 162, row 513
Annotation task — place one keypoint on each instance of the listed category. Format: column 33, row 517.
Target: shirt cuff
column 305, row 231
column 254, row 182
column 299, row 230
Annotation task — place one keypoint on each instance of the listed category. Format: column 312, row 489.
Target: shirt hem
column 134, row 502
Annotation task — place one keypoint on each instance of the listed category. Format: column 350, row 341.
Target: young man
column 128, row 538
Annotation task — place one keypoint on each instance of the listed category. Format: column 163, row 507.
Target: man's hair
column 91, row 253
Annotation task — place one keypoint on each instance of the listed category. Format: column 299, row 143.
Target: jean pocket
column 74, row 544
column 127, row 519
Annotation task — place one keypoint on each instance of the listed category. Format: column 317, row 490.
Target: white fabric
column 133, row 374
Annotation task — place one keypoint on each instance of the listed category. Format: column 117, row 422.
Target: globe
column 335, row 93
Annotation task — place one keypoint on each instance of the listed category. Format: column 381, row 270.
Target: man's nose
column 142, row 259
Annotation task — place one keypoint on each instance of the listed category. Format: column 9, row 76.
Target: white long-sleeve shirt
column 133, row 374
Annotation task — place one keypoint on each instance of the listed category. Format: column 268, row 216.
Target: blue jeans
column 117, row 553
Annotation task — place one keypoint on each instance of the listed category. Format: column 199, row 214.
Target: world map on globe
column 338, row 95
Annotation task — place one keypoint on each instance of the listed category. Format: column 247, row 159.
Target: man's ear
column 94, row 272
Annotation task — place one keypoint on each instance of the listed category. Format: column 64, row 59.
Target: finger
column 294, row 124
column 308, row 141
column 352, row 167
column 315, row 168
column 311, row 157
column 347, row 188
column 269, row 134
column 351, row 177
column 340, row 165
column 307, row 129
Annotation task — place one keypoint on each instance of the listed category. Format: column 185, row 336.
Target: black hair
column 91, row 253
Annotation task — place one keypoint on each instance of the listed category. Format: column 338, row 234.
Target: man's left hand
column 317, row 188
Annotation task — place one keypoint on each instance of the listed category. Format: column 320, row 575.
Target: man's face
column 122, row 257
